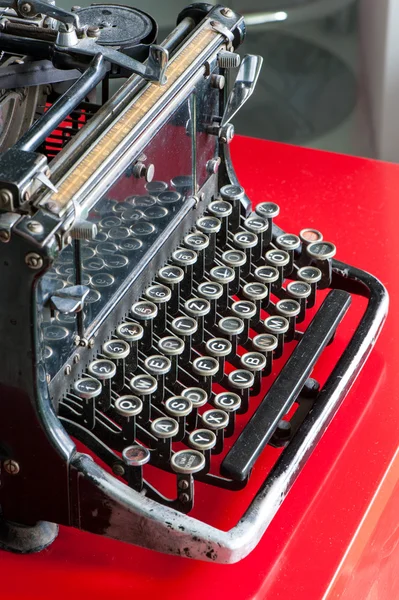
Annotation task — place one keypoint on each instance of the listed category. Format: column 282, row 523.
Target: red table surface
column 337, row 533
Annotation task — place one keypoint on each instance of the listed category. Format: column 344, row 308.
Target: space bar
column 239, row 461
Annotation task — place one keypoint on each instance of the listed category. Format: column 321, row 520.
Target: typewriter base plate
column 26, row 539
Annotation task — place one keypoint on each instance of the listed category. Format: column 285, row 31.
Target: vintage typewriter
column 164, row 344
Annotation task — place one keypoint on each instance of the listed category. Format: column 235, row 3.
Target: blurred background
column 330, row 78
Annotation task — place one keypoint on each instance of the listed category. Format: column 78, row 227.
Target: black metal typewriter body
column 145, row 303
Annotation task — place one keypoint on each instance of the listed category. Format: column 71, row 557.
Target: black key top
column 185, row 327
column 199, row 242
column 233, row 194
column 154, row 188
column 203, row 440
column 288, row 242
column 211, row 291
column 289, row 309
column 198, row 309
column 259, row 226
column 131, row 333
column 128, row 407
column 160, row 295
column 231, row 328
column 277, row 326
column 145, row 312
column 88, row 389
column 268, row 276
column 185, row 464
column 135, row 457
column 269, row 211
column 172, row 347
column 185, row 258
column 117, row 351
column 219, row 348
column 279, row 399
column 312, row 276
column 223, row 275
column 144, row 386
column 170, row 200
column 179, row 408
column 255, row 362
column 165, row 429
column 172, row 276
column 322, row 254
column 198, row 398
column 158, row 366
column 300, row 291
column 230, row 403
column 278, row 259
column 103, row 370
column 221, row 210
column 266, row 343
column 216, row 420
column 258, row 294
column 205, row 368
column 246, row 311
column 234, row 259
column 241, row 381
column 246, row 241
column 211, row 227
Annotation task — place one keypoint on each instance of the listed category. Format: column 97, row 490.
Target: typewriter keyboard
column 185, row 384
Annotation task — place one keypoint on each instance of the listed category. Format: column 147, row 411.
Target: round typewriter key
column 128, row 408
column 309, row 235
column 233, row 194
column 183, row 183
column 142, row 229
column 185, row 258
column 105, row 248
column 198, row 398
column 93, row 264
column 47, row 353
column 230, row 403
column 205, row 367
column 269, row 211
column 131, row 333
column 87, row 388
column 145, row 312
column 66, row 319
column 135, row 457
column 290, row 309
column 187, row 462
column 87, row 252
column 92, row 297
column 85, row 279
column 322, row 254
column 144, row 386
column 300, row 291
column 170, row 200
column 154, row 188
column 102, row 280
column 179, row 408
column 288, row 242
column 143, row 202
column 259, row 226
column 161, row 296
column 231, row 327
column 312, row 276
column 199, row 242
column 121, row 207
column 156, row 213
column 203, row 440
column 219, row 348
column 130, row 245
column 223, row 275
column 255, row 362
column 258, row 294
column 211, row 227
column 117, row 351
column 245, row 310
column 241, row 381
column 234, row 259
column 277, row 326
column 65, row 271
column 55, row 333
column 116, row 261
column 158, row 366
column 164, row 429
column 185, row 327
column 198, row 309
column 246, row 241
column 172, row 347
column 118, row 233
column 266, row 343
column 68, row 259
column 129, row 217
column 109, row 222
column 211, row 291
column 103, row 370
column 268, row 276
column 221, row 210
column 172, row 276
column 216, row 420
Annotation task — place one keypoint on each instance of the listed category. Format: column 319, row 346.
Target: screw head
column 118, row 469
column 227, row 12
column 26, row 8
column 5, row 197
column 11, row 467
column 35, row 227
column 93, row 31
column 34, row 261
column 51, row 206
column 4, row 236
column 67, row 370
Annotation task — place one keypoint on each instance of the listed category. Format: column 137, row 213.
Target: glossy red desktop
column 337, row 533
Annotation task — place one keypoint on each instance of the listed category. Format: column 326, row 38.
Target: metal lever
column 243, row 86
column 70, row 299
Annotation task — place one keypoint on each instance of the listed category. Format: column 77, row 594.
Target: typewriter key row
column 219, row 312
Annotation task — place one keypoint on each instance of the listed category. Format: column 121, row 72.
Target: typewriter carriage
column 69, row 487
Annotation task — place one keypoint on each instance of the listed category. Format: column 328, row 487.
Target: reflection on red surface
column 354, row 203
